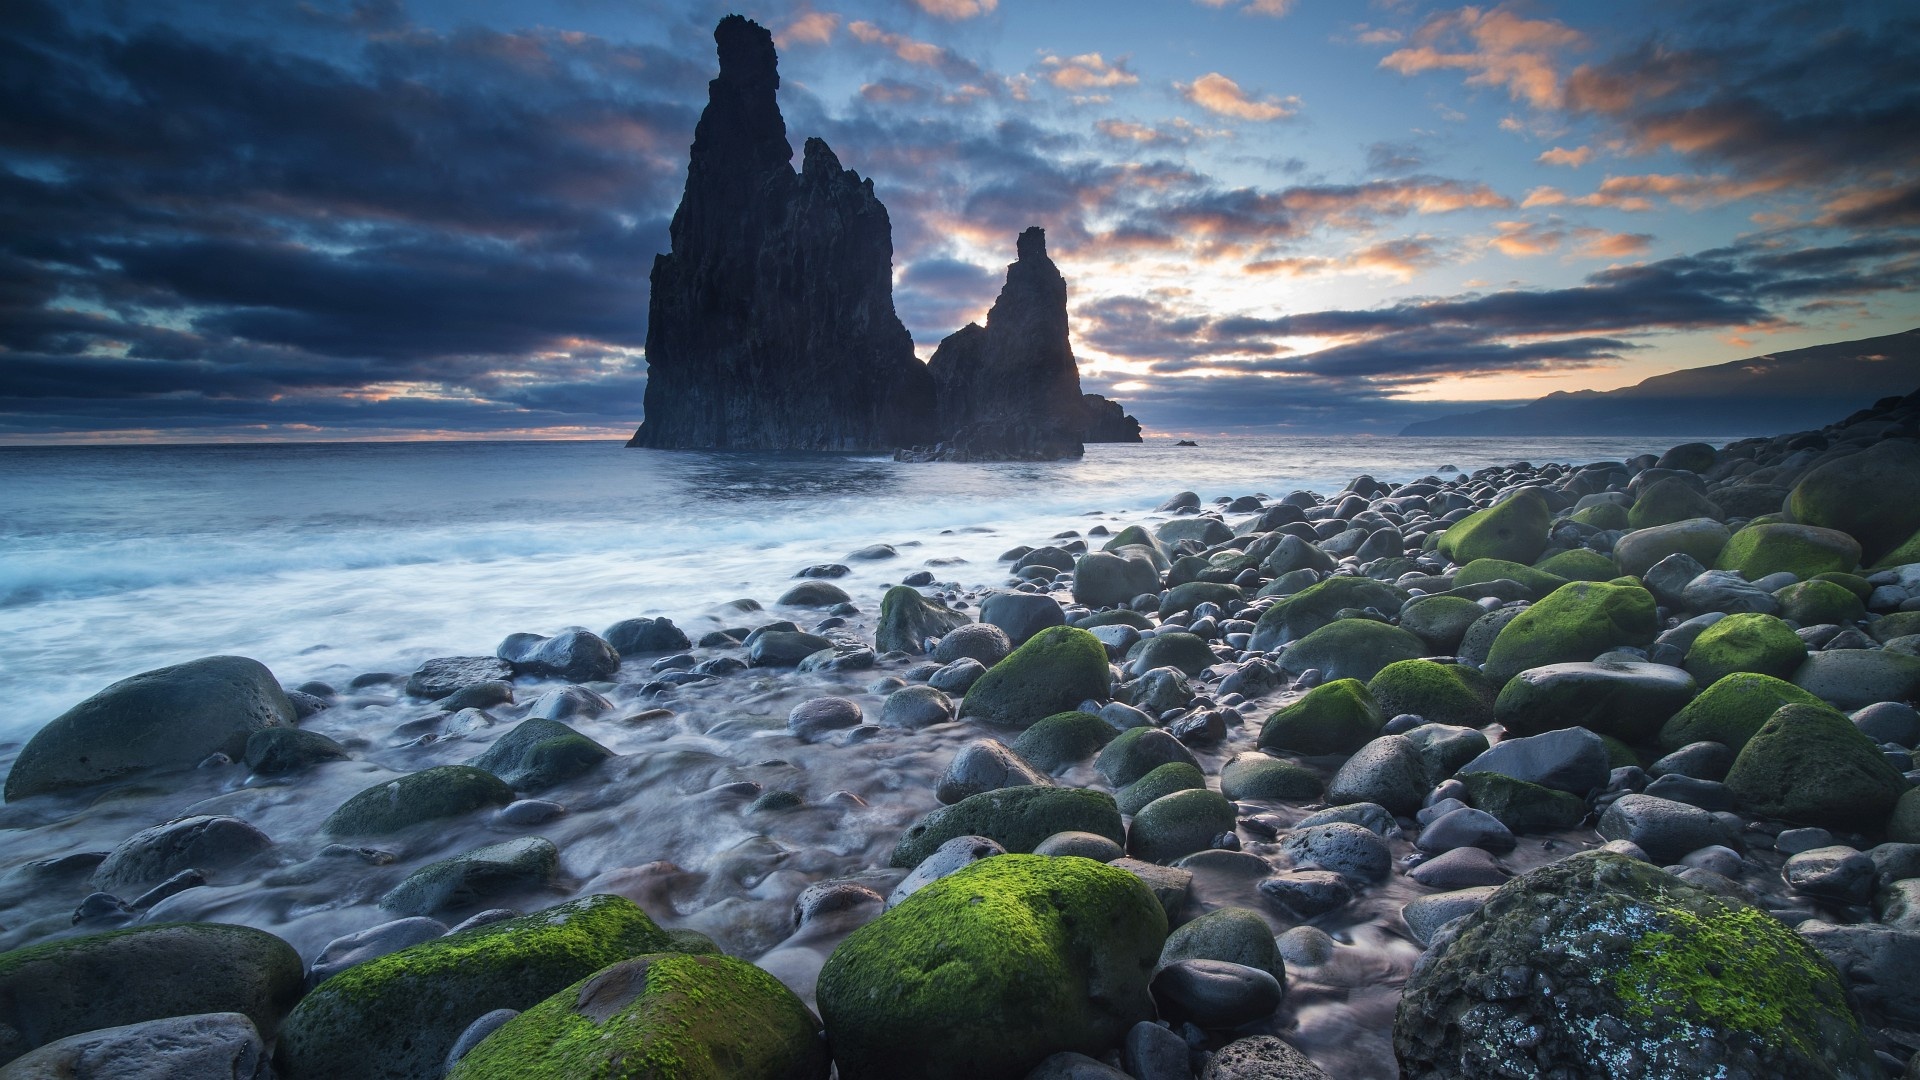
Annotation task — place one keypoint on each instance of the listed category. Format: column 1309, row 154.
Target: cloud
column 1088, row 71
column 1401, row 258
column 1497, row 47
column 1271, row 8
column 1395, row 157
column 812, row 28
column 955, row 10
column 1216, row 93
column 1521, row 239
column 1573, row 158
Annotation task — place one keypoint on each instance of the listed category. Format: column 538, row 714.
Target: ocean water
column 324, row 561
column 327, row 562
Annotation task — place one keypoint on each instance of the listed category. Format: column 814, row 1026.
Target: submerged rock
column 770, row 324
column 1649, row 976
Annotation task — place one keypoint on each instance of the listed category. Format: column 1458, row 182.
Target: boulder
column 1645, row 969
column 1134, row 753
column 222, row 1044
column 200, row 842
column 84, row 984
column 1351, row 649
column 1056, row 743
column 990, row 970
column 168, row 718
column 277, row 751
column 1016, row 818
column 1626, row 701
column 1338, row 717
column 691, row 1017
column 446, row 675
column 1810, row 765
column 1801, row 550
column 537, row 754
column 635, row 637
column 1748, row 642
column 1318, row 605
column 1668, row 500
column 1106, row 579
column 1701, row 539
column 1666, row 830
column 1731, row 710
column 575, row 654
column 1160, row 781
column 1053, row 672
column 1254, row 775
column 908, row 619
column 1514, row 529
column 395, row 1018
column 1576, row 622
column 439, row 792
column 985, row 765
column 474, row 876
column 1442, row 693
column 1571, row 759
column 1179, row 823
column 1856, row 678
column 1872, row 496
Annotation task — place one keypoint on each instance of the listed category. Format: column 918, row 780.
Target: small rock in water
column 811, row 719
column 915, row 707
column 824, row 898
column 375, row 941
column 1307, row 894
column 1086, row 845
column 1215, row 994
column 1460, row 868
column 1305, row 946
column 529, row 812
column 955, row 854
column 1261, row 1057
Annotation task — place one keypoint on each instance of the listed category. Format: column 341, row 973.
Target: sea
column 332, row 563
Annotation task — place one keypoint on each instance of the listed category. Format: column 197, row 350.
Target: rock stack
column 1010, row 390
column 771, row 323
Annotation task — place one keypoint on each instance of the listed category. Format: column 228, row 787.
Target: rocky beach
column 1534, row 769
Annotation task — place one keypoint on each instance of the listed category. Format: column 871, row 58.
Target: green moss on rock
column 1579, row 564
column 1138, row 751
column 1254, row 775
column 1184, row 651
column 395, row 1017
column 1063, row 740
column 1908, row 551
column 1160, row 780
column 440, row 792
column 986, row 972
column 663, row 1016
column 1576, row 622
column 1232, row 935
column 1749, row 642
column 1668, row 500
column 1338, row 717
column 1809, row 764
column 1442, row 693
column 1179, row 823
column 1872, row 496
column 539, row 753
column 1018, row 818
column 1055, row 671
column 1480, row 571
column 1522, row 806
column 1603, row 516
column 1730, row 710
column 1801, row 550
column 72, row 985
column 1351, row 649
column 1439, row 621
column 1320, row 604
column 1813, row 603
column 908, row 619
column 1194, row 593
column 1514, row 529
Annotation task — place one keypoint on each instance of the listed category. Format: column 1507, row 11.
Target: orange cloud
column 1273, row 8
column 1088, row 71
column 906, row 48
column 1601, row 244
column 1574, row 158
column 813, row 28
column 1216, row 93
column 1401, row 258
column 1504, row 50
column 1523, row 239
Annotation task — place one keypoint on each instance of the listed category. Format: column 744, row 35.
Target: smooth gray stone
column 1831, row 873
column 1307, row 894
column 1889, row 722
column 1718, row 858
column 1123, row 717
column 477, row 1031
column 1857, row 678
column 207, row 1046
column 979, row 641
column 1880, row 965
column 1387, row 771
column 1152, row 1052
column 568, row 702
column 1666, row 830
column 372, row 943
column 986, row 765
column 1699, row 760
column 1899, row 905
column 1567, row 759
column 814, row 718
column 1460, row 868
column 472, row 875
column 1724, row 590
column 1445, row 748
column 1215, row 994
column 1371, row 816
column 1425, row 915
column 957, row 677
column 1350, row 850
column 1708, row 795
column 1795, row 841
column 915, row 707
column 956, row 854
column 1305, row 946
column 1021, row 615
column 522, row 812
column 1086, row 845
column 202, row 842
column 824, row 898
column 1466, row 827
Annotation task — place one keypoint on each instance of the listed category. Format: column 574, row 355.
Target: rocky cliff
column 771, row 324
column 1010, row 390
column 1107, row 421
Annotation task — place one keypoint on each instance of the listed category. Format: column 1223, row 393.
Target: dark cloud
column 1395, row 157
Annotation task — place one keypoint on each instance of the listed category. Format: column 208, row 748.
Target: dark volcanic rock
column 1010, row 390
column 771, row 324
column 1107, row 421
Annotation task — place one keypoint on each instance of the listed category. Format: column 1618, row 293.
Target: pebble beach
column 1527, row 769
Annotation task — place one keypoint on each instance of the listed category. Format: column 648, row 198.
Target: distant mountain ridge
column 1774, row 392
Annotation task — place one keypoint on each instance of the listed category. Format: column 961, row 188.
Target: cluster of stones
column 1699, row 666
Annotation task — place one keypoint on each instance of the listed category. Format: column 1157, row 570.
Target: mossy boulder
column 1439, row 621
column 1159, row 781
column 168, row 718
column 1231, row 935
column 1809, row 764
column 1107, row 579
column 1872, row 496
column 1254, row 775
column 1136, row 752
column 1907, row 552
column 540, row 753
column 1668, row 500
column 1351, row 649
column 1896, row 625
column 1578, row 621
column 1745, row 642
column 440, row 792
column 1514, row 529
column 1645, row 968
column 1179, row 823
column 1055, row 671
column 1016, row 818
column 1184, row 651
column 663, row 1016
column 1482, row 571
column 908, row 619
column 1442, row 693
column 988, row 971
column 72, row 985
column 1521, row 805
column 395, row 1017
column 1625, row 701
column 1320, row 604
column 1904, row 826
column 1580, row 564
column 1731, row 710
column 1801, row 550
column 1338, row 717
column 1813, row 603
column 1602, row 516
column 1058, row 742
column 1702, row 539
column 473, row 876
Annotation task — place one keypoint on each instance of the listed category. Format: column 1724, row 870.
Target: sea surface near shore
column 324, row 561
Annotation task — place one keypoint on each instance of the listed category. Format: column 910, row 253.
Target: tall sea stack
column 771, row 324
column 1010, row 390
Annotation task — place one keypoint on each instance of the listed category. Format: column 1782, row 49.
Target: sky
column 330, row 219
